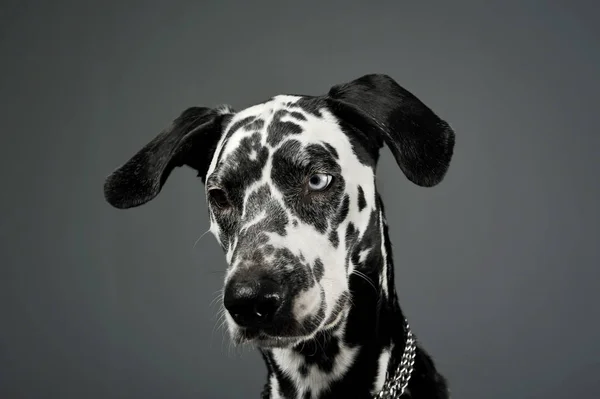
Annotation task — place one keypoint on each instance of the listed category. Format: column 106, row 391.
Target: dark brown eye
column 218, row 198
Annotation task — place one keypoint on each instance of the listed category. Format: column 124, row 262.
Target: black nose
column 252, row 302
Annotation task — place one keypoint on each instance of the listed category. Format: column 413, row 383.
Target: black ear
column 420, row 141
column 190, row 140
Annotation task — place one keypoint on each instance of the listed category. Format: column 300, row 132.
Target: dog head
column 290, row 186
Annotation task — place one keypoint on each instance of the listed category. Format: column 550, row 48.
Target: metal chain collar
column 395, row 386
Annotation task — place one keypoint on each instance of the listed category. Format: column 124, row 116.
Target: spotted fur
column 338, row 328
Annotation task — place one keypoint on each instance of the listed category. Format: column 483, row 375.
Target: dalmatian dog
column 293, row 203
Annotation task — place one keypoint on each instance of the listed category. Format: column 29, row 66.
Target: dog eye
column 319, row 182
column 218, row 198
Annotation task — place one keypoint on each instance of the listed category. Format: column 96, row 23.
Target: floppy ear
column 190, row 140
column 420, row 141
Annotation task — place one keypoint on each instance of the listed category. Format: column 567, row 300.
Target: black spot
column 362, row 203
column 334, row 238
column 344, row 209
column 321, row 158
column 295, row 222
column 298, row 115
column 323, row 358
column 278, row 130
column 332, row 150
column 341, row 215
column 308, row 394
column 303, row 370
column 351, row 233
column 318, row 269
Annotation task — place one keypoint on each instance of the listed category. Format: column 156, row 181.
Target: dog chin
column 276, row 342
column 264, row 341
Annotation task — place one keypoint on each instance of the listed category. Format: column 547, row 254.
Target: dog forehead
column 269, row 125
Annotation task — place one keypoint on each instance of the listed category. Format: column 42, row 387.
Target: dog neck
column 353, row 358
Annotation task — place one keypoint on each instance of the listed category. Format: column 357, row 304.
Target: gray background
column 497, row 268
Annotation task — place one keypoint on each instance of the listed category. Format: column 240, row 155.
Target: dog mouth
column 263, row 340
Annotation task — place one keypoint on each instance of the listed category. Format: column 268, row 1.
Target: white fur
column 382, row 366
column 383, row 279
column 274, row 384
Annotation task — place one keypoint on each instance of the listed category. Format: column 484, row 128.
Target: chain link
column 395, row 386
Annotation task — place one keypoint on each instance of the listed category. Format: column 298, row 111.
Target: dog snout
column 253, row 302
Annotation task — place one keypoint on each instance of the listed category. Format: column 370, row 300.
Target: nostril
column 266, row 308
column 242, row 314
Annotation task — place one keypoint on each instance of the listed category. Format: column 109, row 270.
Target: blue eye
column 319, row 182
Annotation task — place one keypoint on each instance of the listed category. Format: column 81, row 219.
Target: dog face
column 285, row 187
column 290, row 186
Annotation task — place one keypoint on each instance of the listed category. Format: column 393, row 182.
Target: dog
column 292, row 200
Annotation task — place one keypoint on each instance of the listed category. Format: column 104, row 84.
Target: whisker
column 214, row 272
column 199, row 238
column 367, row 279
column 221, row 320
column 219, row 295
column 219, row 323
